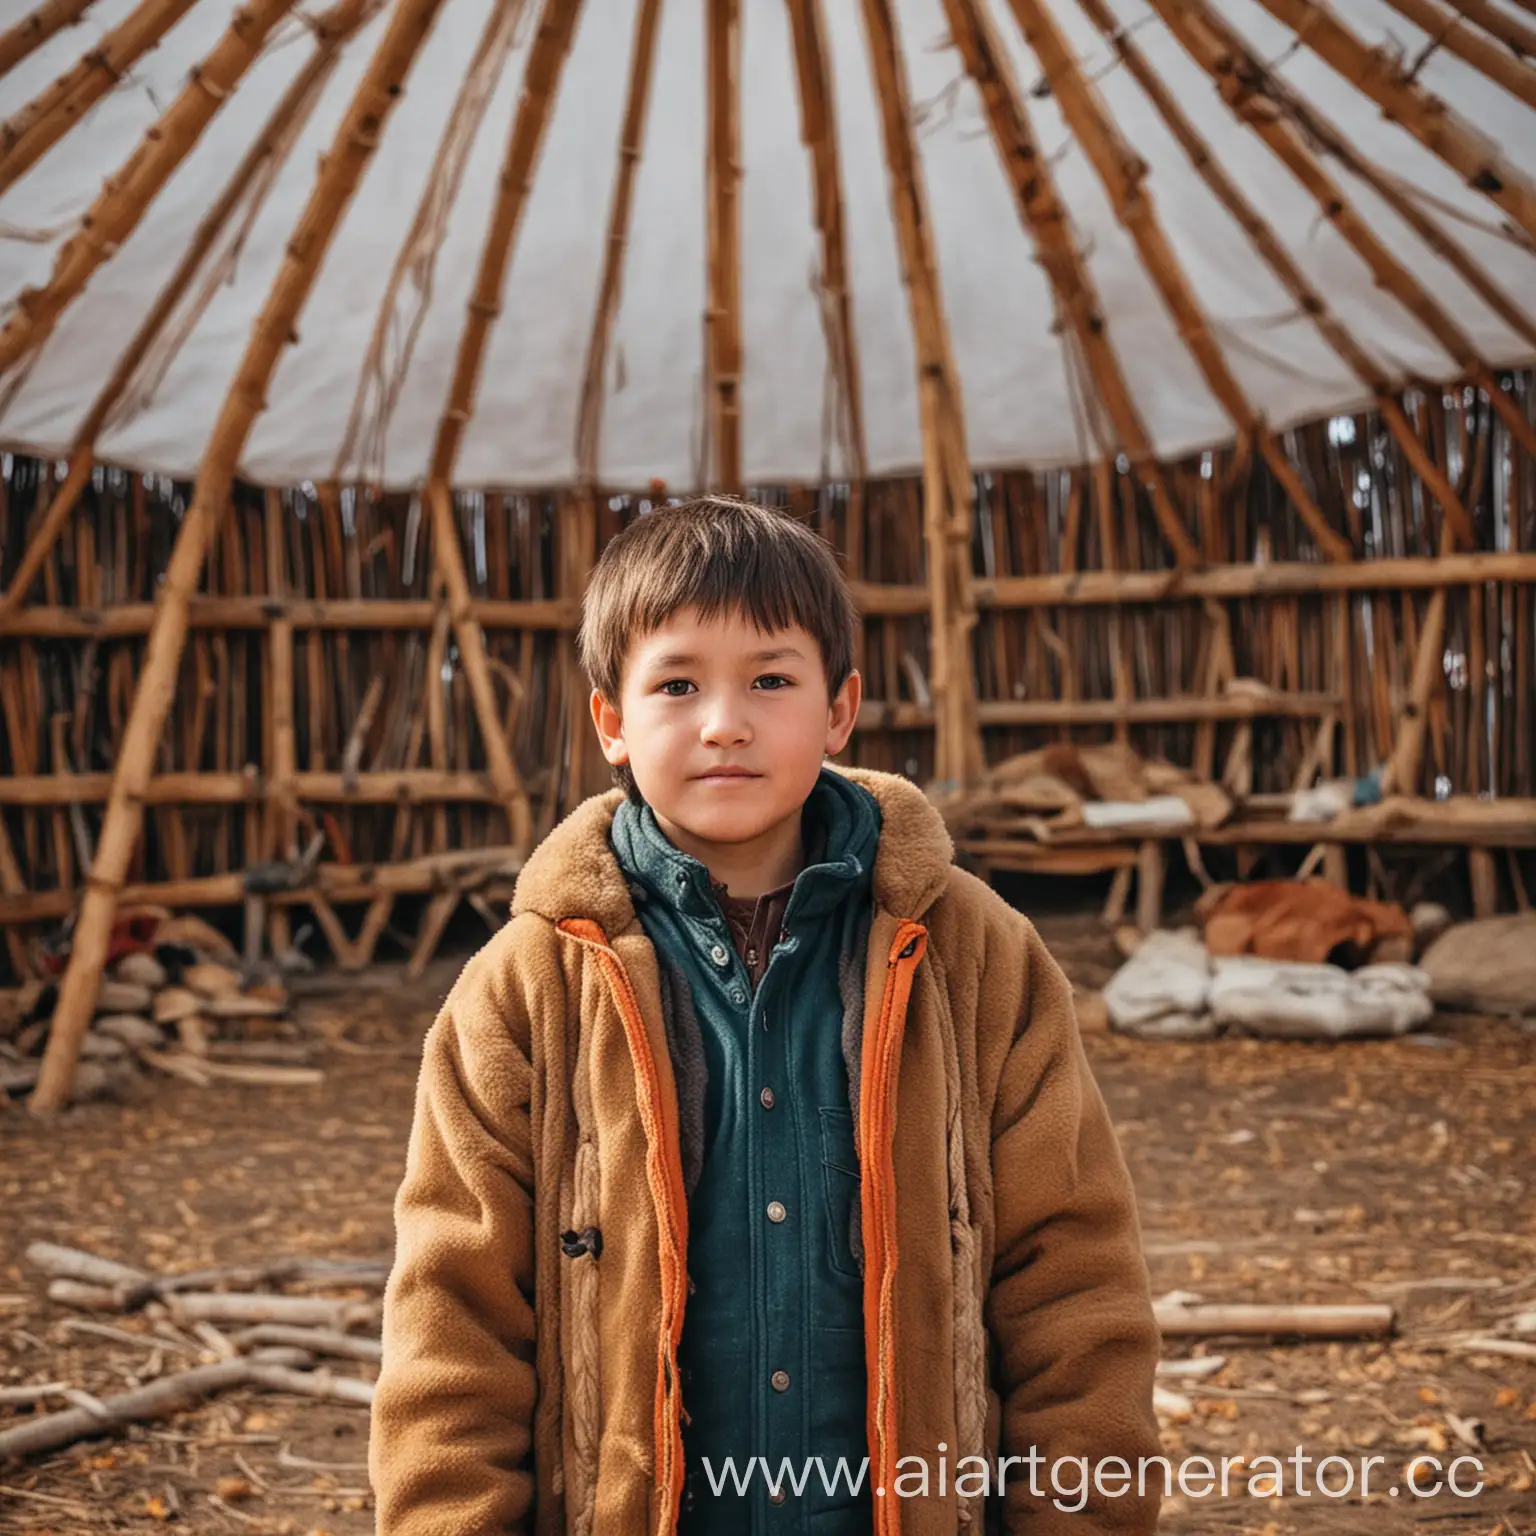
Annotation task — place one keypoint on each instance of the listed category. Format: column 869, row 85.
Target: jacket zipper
column 877, row 1139
column 664, row 1176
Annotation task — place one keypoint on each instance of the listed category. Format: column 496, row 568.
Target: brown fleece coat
column 1006, row 1299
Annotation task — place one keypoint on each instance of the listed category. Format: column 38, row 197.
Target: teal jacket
column 772, row 1351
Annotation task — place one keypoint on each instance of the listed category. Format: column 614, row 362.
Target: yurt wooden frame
column 951, row 597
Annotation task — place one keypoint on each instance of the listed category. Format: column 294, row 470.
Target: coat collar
column 573, row 872
column 841, row 825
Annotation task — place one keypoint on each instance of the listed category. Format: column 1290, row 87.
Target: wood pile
column 273, row 1340
column 176, row 1002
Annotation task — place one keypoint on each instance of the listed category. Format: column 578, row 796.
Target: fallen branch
column 168, row 1395
column 271, row 1370
column 319, row 1341
column 242, row 1307
column 1186, row 1321
column 131, row 1286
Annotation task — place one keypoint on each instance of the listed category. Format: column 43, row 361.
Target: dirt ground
column 1394, row 1172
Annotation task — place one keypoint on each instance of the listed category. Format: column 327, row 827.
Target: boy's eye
column 775, row 677
column 674, row 682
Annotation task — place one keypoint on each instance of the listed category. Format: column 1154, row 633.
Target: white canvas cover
column 1023, row 396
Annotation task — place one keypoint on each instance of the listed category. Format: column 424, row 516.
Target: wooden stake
column 29, row 134
column 722, row 53
column 128, row 194
column 818, row 131
column 948, row 489
column 353, row 145
column 32, row 31
column 1382, row 77
column 1077, row 299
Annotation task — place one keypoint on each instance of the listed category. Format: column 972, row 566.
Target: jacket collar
column 841, row 830
column 573, row 872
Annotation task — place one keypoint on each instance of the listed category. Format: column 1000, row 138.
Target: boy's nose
column 725, row 726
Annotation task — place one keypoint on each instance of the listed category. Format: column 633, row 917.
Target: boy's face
column 697, row 698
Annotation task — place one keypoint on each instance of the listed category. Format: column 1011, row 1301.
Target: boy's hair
column 720, row 555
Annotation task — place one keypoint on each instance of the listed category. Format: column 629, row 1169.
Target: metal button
column 737, row 995
column 775, row 1495
column 776, row 1211
column 779, row 1381
column 765, row 1098
column 719, row 954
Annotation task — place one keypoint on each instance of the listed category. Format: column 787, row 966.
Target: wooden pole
column 1267, row 106
column 332, row 29
column 1045, row 219
column 29, row 134
column 818, row 131
column 392, row 344
column 722, row 172
column 546, row 62
column 1402, row 772
column 64, row 501
column 578, row 531
column 1123, row 175
column 1383, row 77
column 631, row 142
column 352, row 146
column 255, row 613
column 128, row 194
column 1447, row 31
column 1513, row 33
column 948, row 489
column 541, row 82
column 34, row 29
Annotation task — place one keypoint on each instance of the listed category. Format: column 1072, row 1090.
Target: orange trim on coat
column 877, row 1140
column 664, row 1176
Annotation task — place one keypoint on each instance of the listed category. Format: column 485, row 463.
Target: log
column 242, row 1307
column 318, row 1341
column 1316, row 1322
column 321, row 1384
column 170, row 1394
column 89, row 1298
column 62, row 1263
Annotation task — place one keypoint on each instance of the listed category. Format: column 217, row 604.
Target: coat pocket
column 840, row 1180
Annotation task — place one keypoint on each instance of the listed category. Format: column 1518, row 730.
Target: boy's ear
column 845, row 710
column 610, row 729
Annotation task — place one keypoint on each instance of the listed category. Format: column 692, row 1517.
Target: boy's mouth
column 727, row 775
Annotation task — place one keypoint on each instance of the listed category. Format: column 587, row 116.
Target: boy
column 760, row 1131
